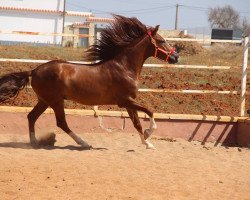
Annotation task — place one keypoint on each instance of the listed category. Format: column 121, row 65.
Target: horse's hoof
column 152, row 147
column 91, row 147
column 33, row 142
column 34, row 145
column 149, row 145
column 85, row 145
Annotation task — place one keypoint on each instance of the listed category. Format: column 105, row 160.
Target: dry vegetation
column 169, row 78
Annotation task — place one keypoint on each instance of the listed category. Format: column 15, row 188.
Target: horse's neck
column 134, row 56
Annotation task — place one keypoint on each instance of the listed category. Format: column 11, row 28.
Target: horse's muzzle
column 173, row 58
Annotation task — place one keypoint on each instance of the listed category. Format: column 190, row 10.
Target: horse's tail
column 11, row 84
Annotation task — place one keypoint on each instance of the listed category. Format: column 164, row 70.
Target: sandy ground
column 121, row 168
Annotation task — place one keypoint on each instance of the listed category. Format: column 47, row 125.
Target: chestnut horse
column 112, row 79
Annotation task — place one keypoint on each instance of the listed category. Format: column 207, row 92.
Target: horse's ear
column 154, row 31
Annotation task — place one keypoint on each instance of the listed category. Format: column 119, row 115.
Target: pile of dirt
column 188, row 48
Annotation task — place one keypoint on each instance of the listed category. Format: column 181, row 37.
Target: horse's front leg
column 135, row 119
column 130, row 103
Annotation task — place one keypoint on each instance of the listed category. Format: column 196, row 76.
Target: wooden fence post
column 244, row 78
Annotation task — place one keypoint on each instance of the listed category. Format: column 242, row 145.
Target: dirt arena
column 119, row 167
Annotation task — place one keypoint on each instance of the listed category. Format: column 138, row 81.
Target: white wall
column 11, row 20
column 72, row 19
column 34, row 4
column 30, row 22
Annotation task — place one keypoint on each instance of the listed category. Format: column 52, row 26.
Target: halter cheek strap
column 158, row 49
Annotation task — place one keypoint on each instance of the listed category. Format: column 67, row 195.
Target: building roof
column 69, row 13
column 99, row 19
column 89, row 16
column 81, row 24
column 28, row 9
column 84, row 14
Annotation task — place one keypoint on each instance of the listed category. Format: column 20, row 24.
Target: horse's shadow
column 24, row 145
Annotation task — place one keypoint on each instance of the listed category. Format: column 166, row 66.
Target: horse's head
column 160, row 48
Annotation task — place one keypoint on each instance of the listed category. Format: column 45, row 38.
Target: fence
column 44, row 34
column 243, row 78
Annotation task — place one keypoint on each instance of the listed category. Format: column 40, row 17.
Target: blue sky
column 192, row 13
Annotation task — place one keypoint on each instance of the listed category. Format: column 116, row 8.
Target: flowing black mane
column 114, row 38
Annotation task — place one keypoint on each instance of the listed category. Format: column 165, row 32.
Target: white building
column 35, row 21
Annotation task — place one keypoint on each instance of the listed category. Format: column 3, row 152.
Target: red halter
column 158, row 49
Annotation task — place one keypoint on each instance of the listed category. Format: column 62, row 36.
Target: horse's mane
column 119, row 34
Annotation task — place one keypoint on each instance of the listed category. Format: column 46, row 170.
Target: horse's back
column 57, row 80
column 48, row 79
column 49, row 71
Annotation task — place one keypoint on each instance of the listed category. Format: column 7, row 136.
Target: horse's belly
column 92, row 99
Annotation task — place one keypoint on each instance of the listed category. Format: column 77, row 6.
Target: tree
column 223, row 17
column 245, row 27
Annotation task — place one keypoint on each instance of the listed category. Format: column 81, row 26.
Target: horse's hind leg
column 61, row 123
column 135, row 119
column 33, row 116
